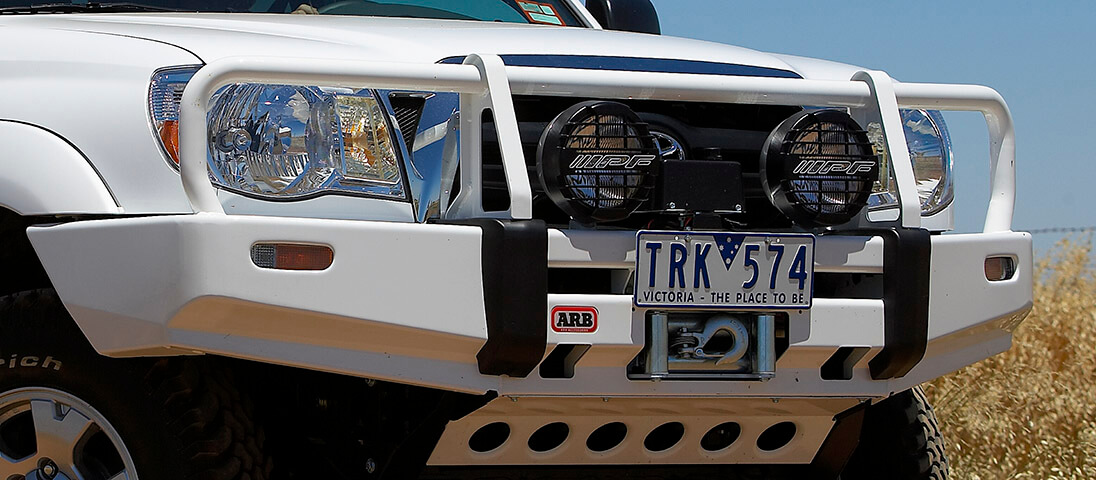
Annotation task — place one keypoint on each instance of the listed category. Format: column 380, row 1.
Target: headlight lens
column 929, row 146
column 291, row 141
column 930, row 151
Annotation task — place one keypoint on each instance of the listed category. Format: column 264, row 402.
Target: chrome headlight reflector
column 929, row 147
column 368, row 152
column 288, row 141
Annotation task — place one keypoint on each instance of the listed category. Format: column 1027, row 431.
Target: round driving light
column 818, row 167
column 598, row 161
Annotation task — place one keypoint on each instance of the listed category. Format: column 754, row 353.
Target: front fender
column 42, row 174
column 91, row 90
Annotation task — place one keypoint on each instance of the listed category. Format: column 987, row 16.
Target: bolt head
column 370, row 466
column 46, row 468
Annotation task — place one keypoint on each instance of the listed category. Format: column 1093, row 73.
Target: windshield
column 544, row 12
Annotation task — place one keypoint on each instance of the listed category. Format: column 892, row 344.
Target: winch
column 739, row 346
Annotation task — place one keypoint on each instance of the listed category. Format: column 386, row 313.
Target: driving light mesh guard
column 819, row 167
column 598, row 161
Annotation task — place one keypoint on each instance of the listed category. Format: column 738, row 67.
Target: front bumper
column 405, row 302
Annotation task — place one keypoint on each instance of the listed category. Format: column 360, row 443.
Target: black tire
column 180, row 418
column 900, row 440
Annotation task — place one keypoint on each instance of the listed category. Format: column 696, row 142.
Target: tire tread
column 901, row 440
column 210, row 418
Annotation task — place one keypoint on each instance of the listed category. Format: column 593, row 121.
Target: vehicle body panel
column 404, row 299
column 44, row 174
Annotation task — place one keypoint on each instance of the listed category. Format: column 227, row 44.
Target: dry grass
column 1031, row 412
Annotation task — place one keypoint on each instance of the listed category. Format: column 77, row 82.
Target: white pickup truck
column 347, row 239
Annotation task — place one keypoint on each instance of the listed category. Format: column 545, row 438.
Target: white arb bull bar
column 484, row 82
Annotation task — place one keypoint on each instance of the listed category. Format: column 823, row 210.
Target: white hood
column 212, row 36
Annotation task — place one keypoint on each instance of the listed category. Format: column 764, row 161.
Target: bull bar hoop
column 485, row 83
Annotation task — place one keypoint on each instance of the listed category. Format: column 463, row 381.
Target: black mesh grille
column 408, row 111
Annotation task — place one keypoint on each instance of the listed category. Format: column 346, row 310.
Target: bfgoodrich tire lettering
column 179, row 418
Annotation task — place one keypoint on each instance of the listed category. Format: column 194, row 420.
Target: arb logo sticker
column 574, row 319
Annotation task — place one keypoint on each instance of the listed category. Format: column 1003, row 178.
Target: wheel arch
column 21, row 269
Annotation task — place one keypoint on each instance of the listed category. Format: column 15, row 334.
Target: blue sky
column 1039, row 55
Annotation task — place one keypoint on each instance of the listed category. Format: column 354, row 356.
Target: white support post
column 501, row 103
column 468, row 203
column 882, row 90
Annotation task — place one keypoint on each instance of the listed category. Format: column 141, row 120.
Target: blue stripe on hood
column 637, row 64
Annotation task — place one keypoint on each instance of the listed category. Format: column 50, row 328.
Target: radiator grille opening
column 736, row 132
column 589, row 281
column 407, row 108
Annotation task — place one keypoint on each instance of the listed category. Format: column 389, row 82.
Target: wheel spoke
column 120, row 476
column 58, row 429
column 12, row 467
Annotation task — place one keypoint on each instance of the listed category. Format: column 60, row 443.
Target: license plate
column 724, row 270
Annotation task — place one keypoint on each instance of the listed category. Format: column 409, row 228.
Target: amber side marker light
column 292, row 256
column 1000, row 268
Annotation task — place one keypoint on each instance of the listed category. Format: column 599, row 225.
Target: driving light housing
column 818, row 167
column 598, row 161
column 288, row 141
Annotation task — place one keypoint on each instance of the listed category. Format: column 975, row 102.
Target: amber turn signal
column 292, row 256
column 169, row 135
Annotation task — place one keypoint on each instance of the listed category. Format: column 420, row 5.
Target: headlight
column 290, row 141
column 598, row 161
column 818, row 168
column 929, row 146
column 286, row 141
column 930, row 151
